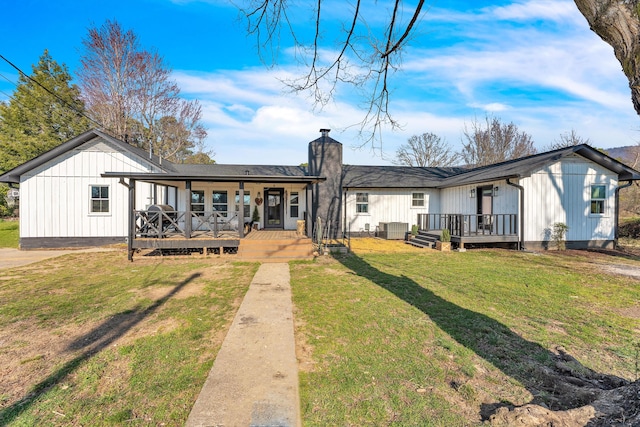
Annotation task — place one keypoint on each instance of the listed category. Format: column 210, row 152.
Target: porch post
column 241, row 211
column 187, row 215
column 132, row 218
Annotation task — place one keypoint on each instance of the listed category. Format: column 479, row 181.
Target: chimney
column 325, row 132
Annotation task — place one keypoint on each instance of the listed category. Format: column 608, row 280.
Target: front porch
column 214, row 232
column 468, row 229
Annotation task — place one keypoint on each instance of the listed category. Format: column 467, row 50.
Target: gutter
column 617, row 213
column 521, row 188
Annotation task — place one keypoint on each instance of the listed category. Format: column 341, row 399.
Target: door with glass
column 274, row 208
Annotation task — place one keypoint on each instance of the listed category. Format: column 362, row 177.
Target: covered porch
column 199, row 213
column 468, row 229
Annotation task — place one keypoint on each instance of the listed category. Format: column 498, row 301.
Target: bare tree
column 494, row 142
column 129, row 90
column 567, row 139
column 375, row 56
column 426, row 150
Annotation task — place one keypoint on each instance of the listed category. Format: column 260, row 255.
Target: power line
column 65, row 103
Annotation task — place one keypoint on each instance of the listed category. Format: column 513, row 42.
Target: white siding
column 561, row 192
column 457, row 200
column 388, row 205
column 231, row 188
column 58, row 193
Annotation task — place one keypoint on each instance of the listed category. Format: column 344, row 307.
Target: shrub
column 558, row 233
column 446, row 235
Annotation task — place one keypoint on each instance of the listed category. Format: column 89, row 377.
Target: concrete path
column 254, row 379
column 10, row 257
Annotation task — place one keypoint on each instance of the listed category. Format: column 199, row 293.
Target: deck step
column 276, row 250
column 424, row 239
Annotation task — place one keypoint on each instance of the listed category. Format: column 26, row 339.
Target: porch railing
column 462, row 225
column 164, row 224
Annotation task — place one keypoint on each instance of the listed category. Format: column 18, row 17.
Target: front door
column 485, row 207
column 274, row 208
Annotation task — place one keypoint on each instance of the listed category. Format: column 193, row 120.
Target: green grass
column 8, row 234
column 120, row 343
column 436, row 339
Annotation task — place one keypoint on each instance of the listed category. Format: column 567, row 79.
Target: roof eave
column 169, row 177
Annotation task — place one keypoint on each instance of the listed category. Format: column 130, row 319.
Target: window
column 197, row 202
column 598, row 196
column 294, row 204
column 220, row 202
column 99, row 199
column 247, row 203
column 417, row 200
column 362, row 202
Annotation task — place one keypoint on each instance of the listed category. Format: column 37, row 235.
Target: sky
column 534, row 63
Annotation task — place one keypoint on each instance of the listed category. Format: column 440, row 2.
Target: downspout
column 344, row 208
column 616, row 235
column 521, row 189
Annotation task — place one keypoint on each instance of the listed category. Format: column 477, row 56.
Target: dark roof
column 394, row 176
column 262, row 170
column 13, row 176
column 523, row 167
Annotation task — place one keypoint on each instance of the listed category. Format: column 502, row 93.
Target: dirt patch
column 571, row 395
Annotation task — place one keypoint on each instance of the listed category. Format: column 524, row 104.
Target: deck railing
column 463, row 225
column 164, row 224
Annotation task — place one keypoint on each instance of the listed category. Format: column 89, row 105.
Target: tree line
column 483, row 143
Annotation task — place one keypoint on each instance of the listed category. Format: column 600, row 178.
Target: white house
column 95, row 190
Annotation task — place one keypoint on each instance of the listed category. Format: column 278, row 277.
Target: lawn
column 8, row 234
column 387, row 335
column 92, row 339
column 443, row 339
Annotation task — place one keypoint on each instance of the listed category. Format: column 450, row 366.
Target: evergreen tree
column 33, row 120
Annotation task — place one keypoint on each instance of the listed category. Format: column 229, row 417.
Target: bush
column 446, row 235
column 558, row 233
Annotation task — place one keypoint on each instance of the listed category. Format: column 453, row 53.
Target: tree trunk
column 617, row 22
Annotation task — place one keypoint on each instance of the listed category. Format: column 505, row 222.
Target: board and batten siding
column 457, row 200
column 388, row 205
column 57, row 193
column 561, row 192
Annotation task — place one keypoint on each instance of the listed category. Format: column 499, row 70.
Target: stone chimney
column 325, row 160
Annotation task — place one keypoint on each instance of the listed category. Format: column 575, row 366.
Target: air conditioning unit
column 393, row 230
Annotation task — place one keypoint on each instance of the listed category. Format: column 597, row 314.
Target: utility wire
column 72, row 107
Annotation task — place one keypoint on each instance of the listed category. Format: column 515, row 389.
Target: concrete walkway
column 10, row 257
column 254, row 379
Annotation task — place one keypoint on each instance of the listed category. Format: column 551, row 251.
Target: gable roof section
column 395, row 176
column 523, row 167
column 13, row 176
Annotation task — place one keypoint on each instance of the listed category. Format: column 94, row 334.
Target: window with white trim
column 294, row 204
column 598, row 198
column 362, row 202
column 417, row 200
column 197, row 202
column 220, row 202
column 246, row 200
column 99, row 199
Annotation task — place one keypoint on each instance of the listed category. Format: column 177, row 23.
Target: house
column 95, row 190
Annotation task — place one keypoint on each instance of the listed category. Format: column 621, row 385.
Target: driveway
column 10, row 257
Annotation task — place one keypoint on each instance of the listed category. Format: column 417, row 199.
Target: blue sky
column 533, row 63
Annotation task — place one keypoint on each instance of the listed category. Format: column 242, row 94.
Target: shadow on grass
column 527, row 362
column 90, row 344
